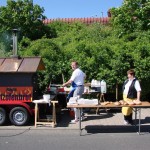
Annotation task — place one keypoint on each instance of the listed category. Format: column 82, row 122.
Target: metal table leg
column 54, row 115
column 80, row 121
column 139, row 121
column 36, row 114
column 135, row 116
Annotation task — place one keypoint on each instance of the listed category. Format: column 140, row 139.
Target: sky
column 74, row 8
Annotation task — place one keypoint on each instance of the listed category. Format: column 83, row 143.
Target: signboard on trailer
column 12, row 94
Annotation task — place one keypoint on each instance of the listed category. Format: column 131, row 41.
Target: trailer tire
column 19, row 116
column 2, row 116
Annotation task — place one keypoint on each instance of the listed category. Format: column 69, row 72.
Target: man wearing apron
column 131, row 92
column 77, row 83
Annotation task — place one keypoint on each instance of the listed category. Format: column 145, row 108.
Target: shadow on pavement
column 115, row 128
column 66, row 118
column 101, row 116
column 146, row 120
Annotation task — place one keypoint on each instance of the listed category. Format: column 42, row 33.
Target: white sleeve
column 137, row 86
column 73, row 76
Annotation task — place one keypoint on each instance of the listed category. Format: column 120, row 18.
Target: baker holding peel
column 77, row 85
column 131, row 95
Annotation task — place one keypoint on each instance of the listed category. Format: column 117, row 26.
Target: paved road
column 28, row 138
column 102, row 132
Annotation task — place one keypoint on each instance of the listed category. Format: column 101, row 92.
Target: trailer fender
column 27, row 107
column 30, row 110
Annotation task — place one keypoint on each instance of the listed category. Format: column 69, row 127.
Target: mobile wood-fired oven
column 18, row 87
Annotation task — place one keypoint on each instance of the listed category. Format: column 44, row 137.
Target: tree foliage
column 132, row 16
column 25, row 16
column 100, row 53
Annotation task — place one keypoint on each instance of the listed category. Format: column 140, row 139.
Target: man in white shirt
column 131, row 92
column 77, row 82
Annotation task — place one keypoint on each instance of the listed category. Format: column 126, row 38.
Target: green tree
column 25, row 16
column 132, row 16
column 100, row 53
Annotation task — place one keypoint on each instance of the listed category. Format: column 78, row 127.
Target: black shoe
column 129, row 119
column 131, row 122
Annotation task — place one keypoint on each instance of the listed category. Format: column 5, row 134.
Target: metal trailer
column 18, row 87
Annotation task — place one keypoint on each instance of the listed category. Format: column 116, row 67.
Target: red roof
column 104, row 20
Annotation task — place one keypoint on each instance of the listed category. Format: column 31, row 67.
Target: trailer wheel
column 2, row 116
column 19, row 116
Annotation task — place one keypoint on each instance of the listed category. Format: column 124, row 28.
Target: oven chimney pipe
column 15, row 43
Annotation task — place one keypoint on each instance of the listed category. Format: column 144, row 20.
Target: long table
column 137, row 108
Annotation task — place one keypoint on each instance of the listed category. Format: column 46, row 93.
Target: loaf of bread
column 117, row 103
column 105, row 103
column 137, row 102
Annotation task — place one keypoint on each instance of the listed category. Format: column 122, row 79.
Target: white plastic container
column 103, row 87
column 92, row 83
column 86, row 89
column 46, row 97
